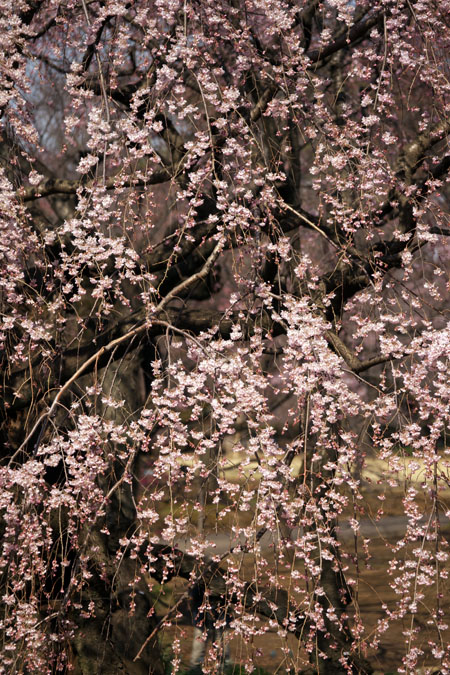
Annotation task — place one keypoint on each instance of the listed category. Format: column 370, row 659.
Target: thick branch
column 355, row 365
column 415, row 152
column 53, row 186
column 356, row 32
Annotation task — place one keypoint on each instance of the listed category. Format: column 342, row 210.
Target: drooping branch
column 269, row 602
column 92, row 361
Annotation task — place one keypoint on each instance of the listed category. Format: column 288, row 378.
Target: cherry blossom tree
column 223, row 281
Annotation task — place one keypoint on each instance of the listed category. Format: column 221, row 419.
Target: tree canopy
column 224, row 304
